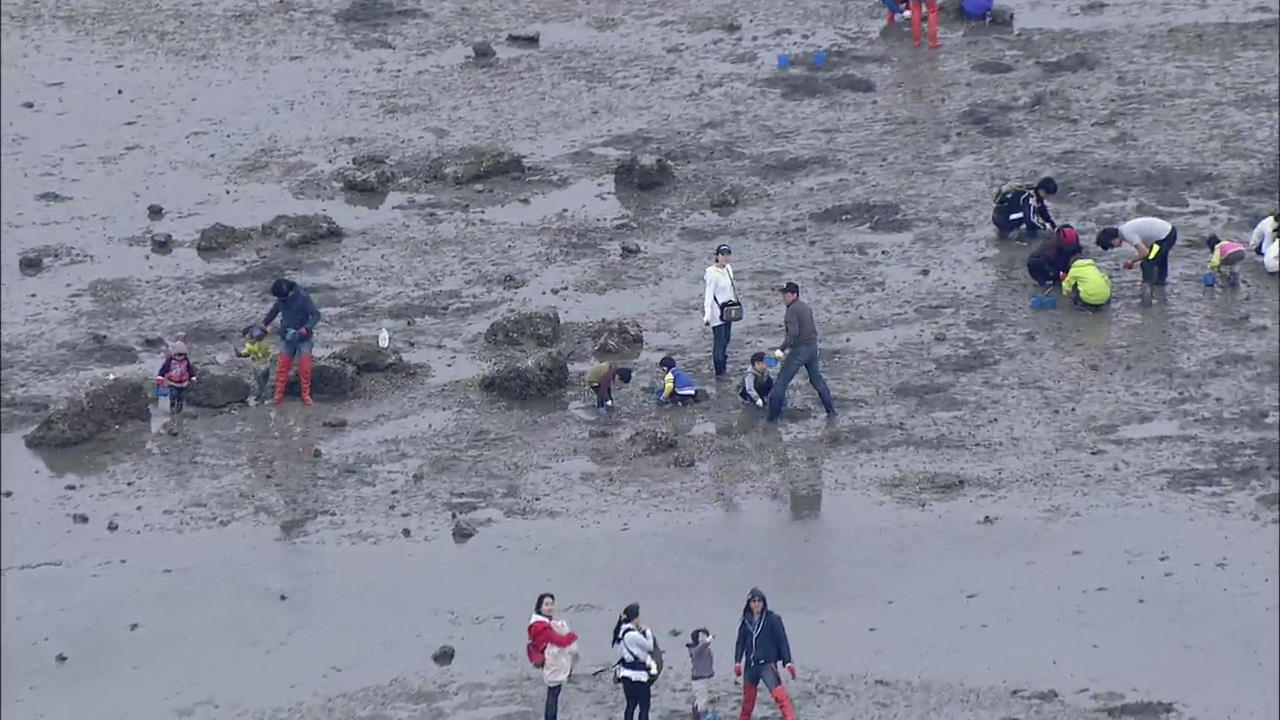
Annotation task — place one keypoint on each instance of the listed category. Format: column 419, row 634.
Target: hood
column 178, row 347
column 282, row 288
column 536, row 618
column 755, row 593
column 1083, row 263
column 693, row 637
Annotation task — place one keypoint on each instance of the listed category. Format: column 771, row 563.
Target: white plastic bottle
column 384, row 339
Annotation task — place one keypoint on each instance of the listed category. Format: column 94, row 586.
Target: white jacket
column 559, row 661
column 719, row 289
column 1264, row 234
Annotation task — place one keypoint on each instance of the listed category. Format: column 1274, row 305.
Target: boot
column 284, row 364
column 933, row 26
column 304, row 378
column 783, row 699
column 915, row 22
column 749, row 693
column 888, row 18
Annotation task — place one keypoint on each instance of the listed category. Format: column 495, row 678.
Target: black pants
column 1082, row 305
column 637, row 695
column 553, row 703
column 1155, row 268
column 721, row 335
column 603, row 394
column 1000, row 217
column 767, row 674
column 177, row 399
column 1041, row 270
column 762, row 389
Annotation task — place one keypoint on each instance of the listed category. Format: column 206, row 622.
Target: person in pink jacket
column 1228, row 254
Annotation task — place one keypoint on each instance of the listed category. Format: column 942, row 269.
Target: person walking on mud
column 798, row 349
column 298, row 319
column 762, row 644
column 553, row 649
column 720, row 307
column 1152, row 239
column 636, row 667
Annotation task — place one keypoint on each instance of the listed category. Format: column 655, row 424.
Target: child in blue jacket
column 677, row 387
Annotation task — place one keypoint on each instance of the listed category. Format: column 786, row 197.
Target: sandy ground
column 1126, row 462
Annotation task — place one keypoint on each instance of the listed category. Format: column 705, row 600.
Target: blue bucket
column 819, row 59
column 1210, row 279
column 784, row 61
column 770, row 362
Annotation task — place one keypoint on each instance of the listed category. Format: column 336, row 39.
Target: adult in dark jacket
column 1017, row 206
column 799, row 349
column 298, row 319
column 1048, row 262
column 762, row 644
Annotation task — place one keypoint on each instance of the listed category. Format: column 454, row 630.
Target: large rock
column 368, row 357
column 216, row 389
column 542, row 375
column 298, row 230
column 101, row 408
column 329, row 378
column 537, row 327
column 643, row 172
column 219, row 236
column 476, row 164
column 369, row 173
column 619, row 338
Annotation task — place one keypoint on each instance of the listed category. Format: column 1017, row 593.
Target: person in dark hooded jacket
column 1018, row 206
column 298, row 319
column 762, row 644
column 1049, row 262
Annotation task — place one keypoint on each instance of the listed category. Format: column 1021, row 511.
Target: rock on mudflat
column 329, row 377
column 217, row 389
column 155, row 211
column 219, row 236
column 473, row 165
column 541, row 375
column 369, row 173
column 443, row 655
column 619, row 338
column 101, row 408
column 31, row 262
column 630, row 248
column 483, row 50
column 161, row 243
column 299, row 230
column 992, row 67
column 528, row 37
column 537, row 327
column 463, row 530
column 643, row 172
column 650, row 441
column 368, row 357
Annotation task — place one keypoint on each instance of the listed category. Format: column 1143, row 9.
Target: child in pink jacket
column 1226, row 253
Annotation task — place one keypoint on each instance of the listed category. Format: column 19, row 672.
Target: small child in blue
column 677, row 387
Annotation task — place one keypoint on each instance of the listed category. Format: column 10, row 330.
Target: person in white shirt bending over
column 1152, row 240
column 1265, row 241
column 720, row 307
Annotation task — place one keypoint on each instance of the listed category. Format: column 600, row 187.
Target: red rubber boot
column 749, row 693
column 284, row 364
column 304, row 378
column 915, row 21
column 783, row 698
column 933, row 26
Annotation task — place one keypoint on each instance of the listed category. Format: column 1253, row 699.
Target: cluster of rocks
column 375, row 173
column 119, row 401
column 292, row 231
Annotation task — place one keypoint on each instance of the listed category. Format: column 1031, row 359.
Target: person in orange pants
column 298, row 319
column 894, row 9
column 762, row 644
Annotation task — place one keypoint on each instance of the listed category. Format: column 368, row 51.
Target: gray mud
column 1012, row 503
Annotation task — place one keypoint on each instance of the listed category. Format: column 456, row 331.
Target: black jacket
column 296, row 311
column 1020, row 207
column 764, row 642
column 1056, row 255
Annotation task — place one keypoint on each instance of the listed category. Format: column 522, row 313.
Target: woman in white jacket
column 636, row 666
column 719, row 289
column 1265, row 242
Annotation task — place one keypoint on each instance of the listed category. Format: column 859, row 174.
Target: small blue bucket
column 784, row 61
column 1210, row 279
column 770, row 362
column 819, row 59
column 162, row 391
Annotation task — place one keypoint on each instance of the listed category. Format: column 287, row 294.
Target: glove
column 608, row 403
column 291, row 335
column 304, row 332
column 1128, row 264
column 1062, row 276
column 779, row 354
column 759, row 403
column 792, row 669
column 737, row 670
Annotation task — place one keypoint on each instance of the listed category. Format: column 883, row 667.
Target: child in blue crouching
column 677, row 387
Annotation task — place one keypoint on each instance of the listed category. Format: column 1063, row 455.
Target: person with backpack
column 637, row 666
column 552, row 649
column 720, row 306
column 1017, row 206
column 762, row 644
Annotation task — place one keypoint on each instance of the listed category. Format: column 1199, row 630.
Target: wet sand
column 1128, row 460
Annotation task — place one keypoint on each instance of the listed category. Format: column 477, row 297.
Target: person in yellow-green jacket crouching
column 1088, row 287
column 259, row 352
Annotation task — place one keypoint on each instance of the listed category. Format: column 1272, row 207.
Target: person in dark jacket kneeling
column 762, row 644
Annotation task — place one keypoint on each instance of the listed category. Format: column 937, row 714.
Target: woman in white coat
column 1265, row 242
column 720, row 293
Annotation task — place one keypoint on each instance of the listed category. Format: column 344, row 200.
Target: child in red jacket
column 177, row 374
column 542, row 634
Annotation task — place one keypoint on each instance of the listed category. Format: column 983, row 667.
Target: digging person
column 1152, row 239
column 298, row 319
column 1018, row 206
column 762, row 644
column 1052, row 258
column 799, row 348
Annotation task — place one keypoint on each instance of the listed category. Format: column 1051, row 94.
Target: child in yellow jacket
column 1088, row 287
column 259, row 352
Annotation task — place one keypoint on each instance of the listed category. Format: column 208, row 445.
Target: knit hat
column 178, row 348
column 624, row 374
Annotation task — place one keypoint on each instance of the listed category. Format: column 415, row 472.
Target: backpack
column 655, row 655
column 179, row 371
column 1007, row 189
column 537, row 658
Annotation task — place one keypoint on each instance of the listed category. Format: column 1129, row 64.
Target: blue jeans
column 804, row 356
column 296, row 349
column 720, row 347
